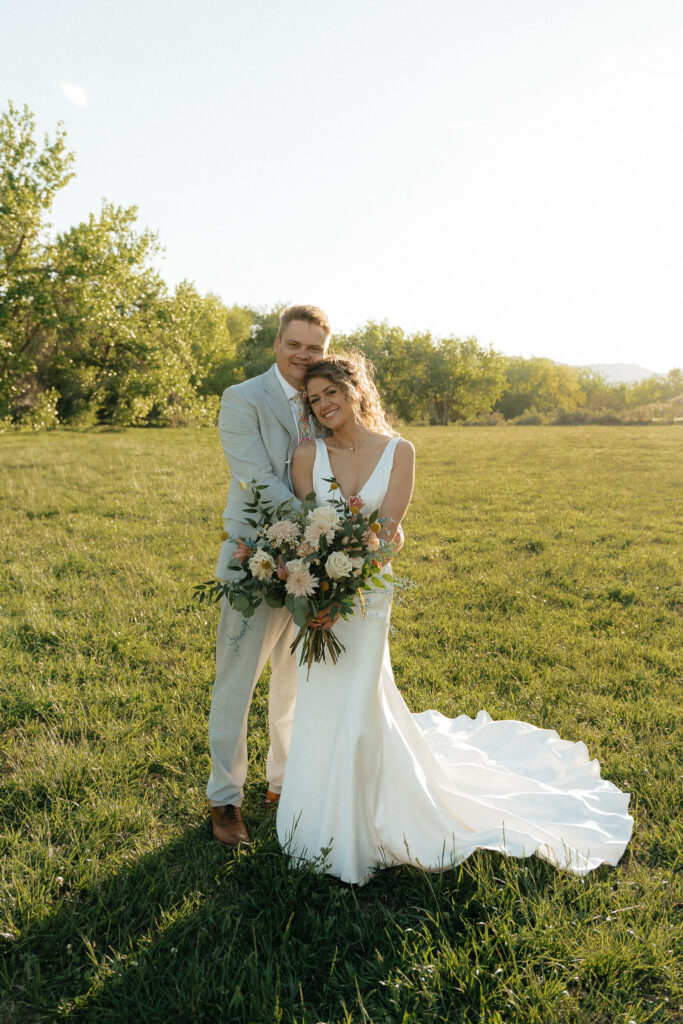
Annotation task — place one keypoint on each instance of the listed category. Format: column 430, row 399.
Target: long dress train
column 369, row 784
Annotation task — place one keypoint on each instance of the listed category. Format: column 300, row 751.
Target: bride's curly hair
column 354, row 374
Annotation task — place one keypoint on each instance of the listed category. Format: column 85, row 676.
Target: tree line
column 90, row 333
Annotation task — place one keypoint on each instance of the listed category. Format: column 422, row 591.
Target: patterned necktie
column 303, row 419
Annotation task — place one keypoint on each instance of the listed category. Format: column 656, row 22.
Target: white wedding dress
column 369, row 784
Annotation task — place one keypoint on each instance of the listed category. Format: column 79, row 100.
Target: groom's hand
column 241, row 552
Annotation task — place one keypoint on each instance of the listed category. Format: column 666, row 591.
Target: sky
column 509, row 169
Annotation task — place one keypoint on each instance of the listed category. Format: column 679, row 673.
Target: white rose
column 323, row 519
column 358, row 562
column 338, row 565
column 262, row 565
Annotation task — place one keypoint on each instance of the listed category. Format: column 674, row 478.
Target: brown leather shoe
column 228, row 826
column 272, row 799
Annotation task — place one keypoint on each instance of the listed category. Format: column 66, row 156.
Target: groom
column 261, row 422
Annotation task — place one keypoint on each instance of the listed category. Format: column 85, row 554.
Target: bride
column 369, row 784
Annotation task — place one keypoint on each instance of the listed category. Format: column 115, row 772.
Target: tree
column 212, row 334
column 112, row 348
column 256, row 349
column 402, row 363
column 540, row 384
column 598, row 394
column 30, row 177
column 465, row 379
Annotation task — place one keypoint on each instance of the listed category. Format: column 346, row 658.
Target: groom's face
column 300, row 344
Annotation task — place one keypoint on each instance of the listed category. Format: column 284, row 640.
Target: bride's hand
column 323, row 620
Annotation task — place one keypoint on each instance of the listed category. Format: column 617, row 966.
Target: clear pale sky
column 511, row 169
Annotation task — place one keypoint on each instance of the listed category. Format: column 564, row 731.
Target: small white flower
column 262, row 565
column 338, row 565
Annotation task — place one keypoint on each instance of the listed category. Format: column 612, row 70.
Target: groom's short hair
column 311, row 314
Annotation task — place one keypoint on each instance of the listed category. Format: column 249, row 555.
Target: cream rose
column 321, row 521
column 338, row 565
column 262, row 565
column 357, row 562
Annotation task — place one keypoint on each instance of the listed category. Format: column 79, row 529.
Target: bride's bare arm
column 302, row 470
column 399, row 491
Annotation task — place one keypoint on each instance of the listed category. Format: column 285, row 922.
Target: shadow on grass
column 192, row 931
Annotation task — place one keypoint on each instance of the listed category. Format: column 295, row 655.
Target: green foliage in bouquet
column 313, row 560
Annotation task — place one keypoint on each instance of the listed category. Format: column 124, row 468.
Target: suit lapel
column 276, row 399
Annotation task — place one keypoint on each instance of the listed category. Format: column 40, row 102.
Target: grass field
column 547, row 588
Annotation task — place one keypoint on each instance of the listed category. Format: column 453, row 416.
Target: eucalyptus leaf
column 300, row 617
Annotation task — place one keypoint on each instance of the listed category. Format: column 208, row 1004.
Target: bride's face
column 329, row 403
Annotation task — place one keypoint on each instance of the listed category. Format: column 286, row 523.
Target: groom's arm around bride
column 261, row 422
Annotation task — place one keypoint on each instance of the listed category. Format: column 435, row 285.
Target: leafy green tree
column 30, row 177
column 211, row 334
column 539, row 384
column 657, row 388
column 112, row 350
column 465, row 379
column 673, row 384
column 403, row 365
column 255, row 350
column 598, row 394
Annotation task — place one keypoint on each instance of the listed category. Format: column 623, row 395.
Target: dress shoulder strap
column 387, row 456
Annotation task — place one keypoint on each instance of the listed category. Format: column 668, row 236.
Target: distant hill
column 620, row 373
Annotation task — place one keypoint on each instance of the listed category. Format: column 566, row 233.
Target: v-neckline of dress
column 374, row 470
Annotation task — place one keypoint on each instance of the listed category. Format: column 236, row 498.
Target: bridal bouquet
column 311, row 559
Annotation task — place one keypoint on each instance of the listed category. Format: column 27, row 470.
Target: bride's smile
column 328, row 403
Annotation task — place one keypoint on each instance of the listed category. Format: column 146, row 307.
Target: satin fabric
column 368, row 784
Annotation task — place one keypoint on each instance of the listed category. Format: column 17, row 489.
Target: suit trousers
column 241, row 655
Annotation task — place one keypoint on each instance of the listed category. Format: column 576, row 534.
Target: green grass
column 547, row 589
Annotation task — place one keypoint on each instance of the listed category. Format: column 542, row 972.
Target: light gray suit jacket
column 259, row 436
